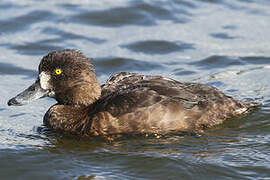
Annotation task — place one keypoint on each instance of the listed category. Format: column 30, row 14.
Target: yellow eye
column 58, row 71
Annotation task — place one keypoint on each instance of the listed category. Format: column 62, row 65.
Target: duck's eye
column 58, row 71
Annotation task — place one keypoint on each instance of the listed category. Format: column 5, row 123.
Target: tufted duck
column 128, row 103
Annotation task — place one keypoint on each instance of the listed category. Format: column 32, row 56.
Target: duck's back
column 133, row 103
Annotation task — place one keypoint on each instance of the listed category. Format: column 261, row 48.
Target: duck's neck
column 83, row 92
column 86, row 94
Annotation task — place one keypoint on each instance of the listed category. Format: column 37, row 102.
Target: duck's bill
column 31, row 93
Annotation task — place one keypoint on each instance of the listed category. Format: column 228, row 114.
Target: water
column 220, row 43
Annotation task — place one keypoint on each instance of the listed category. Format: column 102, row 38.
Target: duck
column 128, row 103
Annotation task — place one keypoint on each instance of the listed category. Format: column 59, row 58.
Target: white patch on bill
column 45, row 80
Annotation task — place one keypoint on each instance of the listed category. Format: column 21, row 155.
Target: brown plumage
column 128, row 103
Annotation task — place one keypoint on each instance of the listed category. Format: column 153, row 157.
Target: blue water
column 216, row 42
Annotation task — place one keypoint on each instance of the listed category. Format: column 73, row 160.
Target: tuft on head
column 64, row 58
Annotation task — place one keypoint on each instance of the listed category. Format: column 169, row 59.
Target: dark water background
column 221, row 43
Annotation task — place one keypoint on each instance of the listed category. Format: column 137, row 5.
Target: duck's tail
column 247, row 107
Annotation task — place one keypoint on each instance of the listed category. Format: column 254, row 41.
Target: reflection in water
column 6, row 68
column 158, row 47
column 223, row 36
column 138, row 14
column 115, row 64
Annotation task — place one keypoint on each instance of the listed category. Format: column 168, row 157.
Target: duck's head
column 66, row 75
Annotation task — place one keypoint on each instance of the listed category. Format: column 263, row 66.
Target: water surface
column 219, row 43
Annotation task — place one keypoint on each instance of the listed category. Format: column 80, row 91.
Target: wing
column 123, row 80
column 133, row 103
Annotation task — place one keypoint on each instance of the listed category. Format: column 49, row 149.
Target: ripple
column 182, row 71
column 187, row 4
column 222, row 36
column 6, row 68
column 256, row 59
column 113, row 17
column 117, row 64
column 38, row 47
column 138, row 14
column 71, row 7
column 6, row 6
column 158, row 46
column 16, row 115
column 213, row 62
column 22, row 22
column 213, row 1
column 161, row 13
column 231, row 27
column 68, row 35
